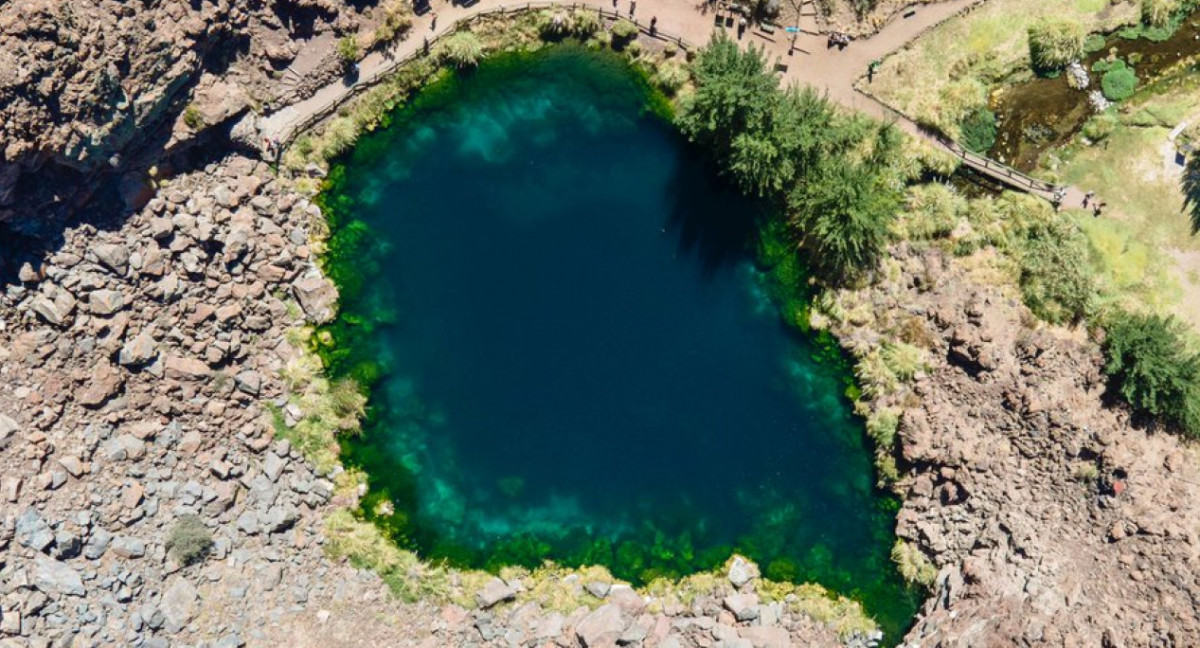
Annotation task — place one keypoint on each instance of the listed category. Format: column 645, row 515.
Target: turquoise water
column 572, row 353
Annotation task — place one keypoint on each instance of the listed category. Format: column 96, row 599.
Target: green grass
column 987, row 46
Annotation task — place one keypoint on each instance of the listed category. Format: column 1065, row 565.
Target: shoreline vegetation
column 1075, row 269
column 847, row 189
column 663, row 68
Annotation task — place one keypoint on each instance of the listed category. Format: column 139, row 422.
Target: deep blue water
column 577, row 357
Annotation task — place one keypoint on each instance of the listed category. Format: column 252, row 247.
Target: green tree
column 735, row 91
column 979, row 130
column 843, row 214
column 1149, row 365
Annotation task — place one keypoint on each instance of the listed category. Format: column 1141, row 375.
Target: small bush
column 554, row 24
column 1119, row 81
column 1151, row 368
column 979, row 131
column 587, row 22
column 914, row 566
column 348, row 50
column 1101, row 126
column 462, row 50
column 189, row 541
column 905, row 361
column 875, row 377
column 193, row 118
column 1093, row 43
column 1056, row 280
column 1055, row 42
column 1158, row 13
column 670, row 77
column 934, row 210
column 623, row 31
column 882, row 426
column 396, row 19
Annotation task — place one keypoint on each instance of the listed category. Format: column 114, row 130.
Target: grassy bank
column 946, row 76
column 348, row 535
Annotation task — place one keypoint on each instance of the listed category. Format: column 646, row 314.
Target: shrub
column 1150, row 367
column 348, row 50
column 396, row 19
column 587, row 22
column 960, row 100
column 1158, row 13
column 554, row 24
column 1055, row 42
column 189, row 541
column 1101, row 126
column 1119, row 81
column 1056, row 281
column 905, row 361
column 193, row 118
column 462, row 50
column 670, row 77
column 882, row 426
column 913, row 565
column 934, row 210
column 875, row 377
column 979, row 130
column 623, row 31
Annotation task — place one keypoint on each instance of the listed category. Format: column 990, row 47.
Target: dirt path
column 805, row 56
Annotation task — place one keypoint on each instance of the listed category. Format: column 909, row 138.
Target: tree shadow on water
column 715, row 223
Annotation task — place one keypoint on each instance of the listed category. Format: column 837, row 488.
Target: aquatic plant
column 1119, row 81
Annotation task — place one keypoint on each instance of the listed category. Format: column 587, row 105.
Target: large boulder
column 317, row 296
column 54, row 577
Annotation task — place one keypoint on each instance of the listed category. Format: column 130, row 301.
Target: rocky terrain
column 139, row 360
column 1053, row 520
column 99, row 88
column 138, row 365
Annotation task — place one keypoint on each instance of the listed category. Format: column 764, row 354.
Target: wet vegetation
column 835, row 204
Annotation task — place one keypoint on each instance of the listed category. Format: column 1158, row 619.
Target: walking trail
column 803, row 58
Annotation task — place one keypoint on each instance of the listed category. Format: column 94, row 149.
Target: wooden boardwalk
column 802, row 57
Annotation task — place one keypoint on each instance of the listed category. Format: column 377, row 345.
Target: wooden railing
column 308, row 121
column 991, row 168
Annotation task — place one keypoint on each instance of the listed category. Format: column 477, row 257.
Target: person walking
column 632, row 8
column 1087, row 197
column 433, row 21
